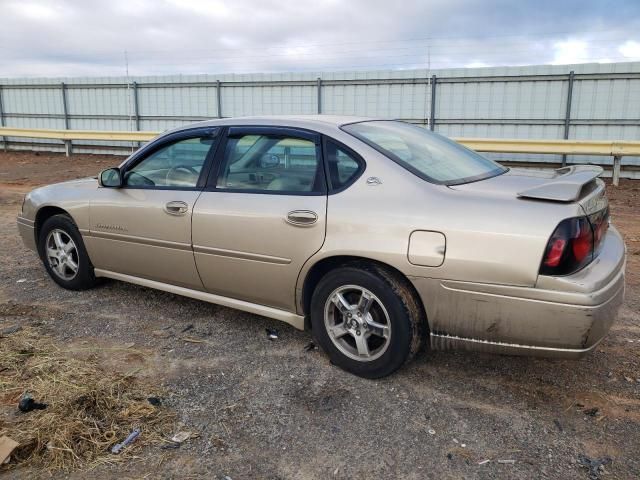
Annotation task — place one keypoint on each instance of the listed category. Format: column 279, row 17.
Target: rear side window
column 271, row 164
column 343, row 165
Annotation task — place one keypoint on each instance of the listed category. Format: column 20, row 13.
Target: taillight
column 600, row 223
column 574, row 243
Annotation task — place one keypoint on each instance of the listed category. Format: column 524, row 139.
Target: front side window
column 176, row 165
column 270, row 163
column 428, row 155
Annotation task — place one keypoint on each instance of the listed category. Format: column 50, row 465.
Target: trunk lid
column 576, row 183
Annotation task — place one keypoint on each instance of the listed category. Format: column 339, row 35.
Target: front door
column 262, row 215
column 144, row 228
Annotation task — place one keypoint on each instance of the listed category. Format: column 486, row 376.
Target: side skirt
column 292, row 319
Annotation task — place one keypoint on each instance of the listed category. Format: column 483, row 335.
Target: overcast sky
column 90, row 37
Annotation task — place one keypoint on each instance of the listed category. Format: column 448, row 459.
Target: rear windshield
column 428, row 155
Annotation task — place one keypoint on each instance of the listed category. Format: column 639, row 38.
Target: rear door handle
column 302, row 218
column 176, row 208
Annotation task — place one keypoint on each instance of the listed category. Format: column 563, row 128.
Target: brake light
column 582, row 244
column 554, row 255
column 574, row 243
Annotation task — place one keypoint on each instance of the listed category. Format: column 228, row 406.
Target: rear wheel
column 63, row 253
column 367, row 319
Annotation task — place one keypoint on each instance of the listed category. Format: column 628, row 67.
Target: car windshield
column 428, row 155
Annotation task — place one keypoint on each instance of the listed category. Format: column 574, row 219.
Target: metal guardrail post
column 67, row 143
column 432, row 113
column 319, row 91
column 136, row 107
column 617, row 162
column 3, row 138
column 567, row 115
column 219, row 98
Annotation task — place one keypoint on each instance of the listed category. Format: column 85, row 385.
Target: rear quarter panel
column 490, row 238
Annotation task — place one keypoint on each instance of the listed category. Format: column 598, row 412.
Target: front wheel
column 63, row 253
column 367, row 319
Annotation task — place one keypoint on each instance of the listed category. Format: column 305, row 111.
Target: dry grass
column 89, row 409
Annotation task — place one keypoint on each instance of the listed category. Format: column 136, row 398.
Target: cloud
column 570, row 51
column 90, row 37
column 630, row 50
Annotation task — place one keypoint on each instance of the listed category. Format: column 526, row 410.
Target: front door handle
column 176, row 208
column 302, row 218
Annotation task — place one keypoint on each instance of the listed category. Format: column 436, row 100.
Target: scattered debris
column 450, row 456
column 628, row 379
column 507, row 462
column 482, row 462
column 193, row 340
column 170, row 446
column 558, row 424
column 595, row 466
column 10, row 330
column 27, row 403
column 155, row 401
column 272, row 333
column 310, row 346
column 161, row 333
column 7, row 445
column 181, row 437
column 431, row 431
column 187, row 328
column 130, row 438
column 335, row 472
column 22, row 280
column 592, row 412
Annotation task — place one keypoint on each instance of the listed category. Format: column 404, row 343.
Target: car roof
column 313, row 122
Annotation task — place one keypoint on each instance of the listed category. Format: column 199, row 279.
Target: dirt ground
column 271, row 409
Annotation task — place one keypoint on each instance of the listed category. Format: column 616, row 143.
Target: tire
column 392, row 309
column 55, row 236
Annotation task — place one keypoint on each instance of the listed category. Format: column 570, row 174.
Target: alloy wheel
column 357, row 322
column 62, row 254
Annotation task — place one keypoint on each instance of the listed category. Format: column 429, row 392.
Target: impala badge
column 118, row 228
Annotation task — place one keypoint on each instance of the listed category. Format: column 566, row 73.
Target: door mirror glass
column 110, row 178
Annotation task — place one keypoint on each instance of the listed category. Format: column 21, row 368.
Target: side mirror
column 269, row 161
column 110, row 178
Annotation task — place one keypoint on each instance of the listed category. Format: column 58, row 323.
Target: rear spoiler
column 566, row 185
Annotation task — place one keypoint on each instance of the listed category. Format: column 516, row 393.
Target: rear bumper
column 26, row 228
column 560, row 317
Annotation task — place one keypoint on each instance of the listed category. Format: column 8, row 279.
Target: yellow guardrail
column 615, row 148
column 77, row 134
column 564, row 147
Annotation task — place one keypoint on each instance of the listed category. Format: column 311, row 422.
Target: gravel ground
column 271, row 409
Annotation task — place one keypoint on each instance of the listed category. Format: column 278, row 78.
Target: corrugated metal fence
column 589, row 101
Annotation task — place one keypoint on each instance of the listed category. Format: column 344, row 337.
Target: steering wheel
column 178, row 173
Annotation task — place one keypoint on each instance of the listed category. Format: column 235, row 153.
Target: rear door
column 262, row 215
